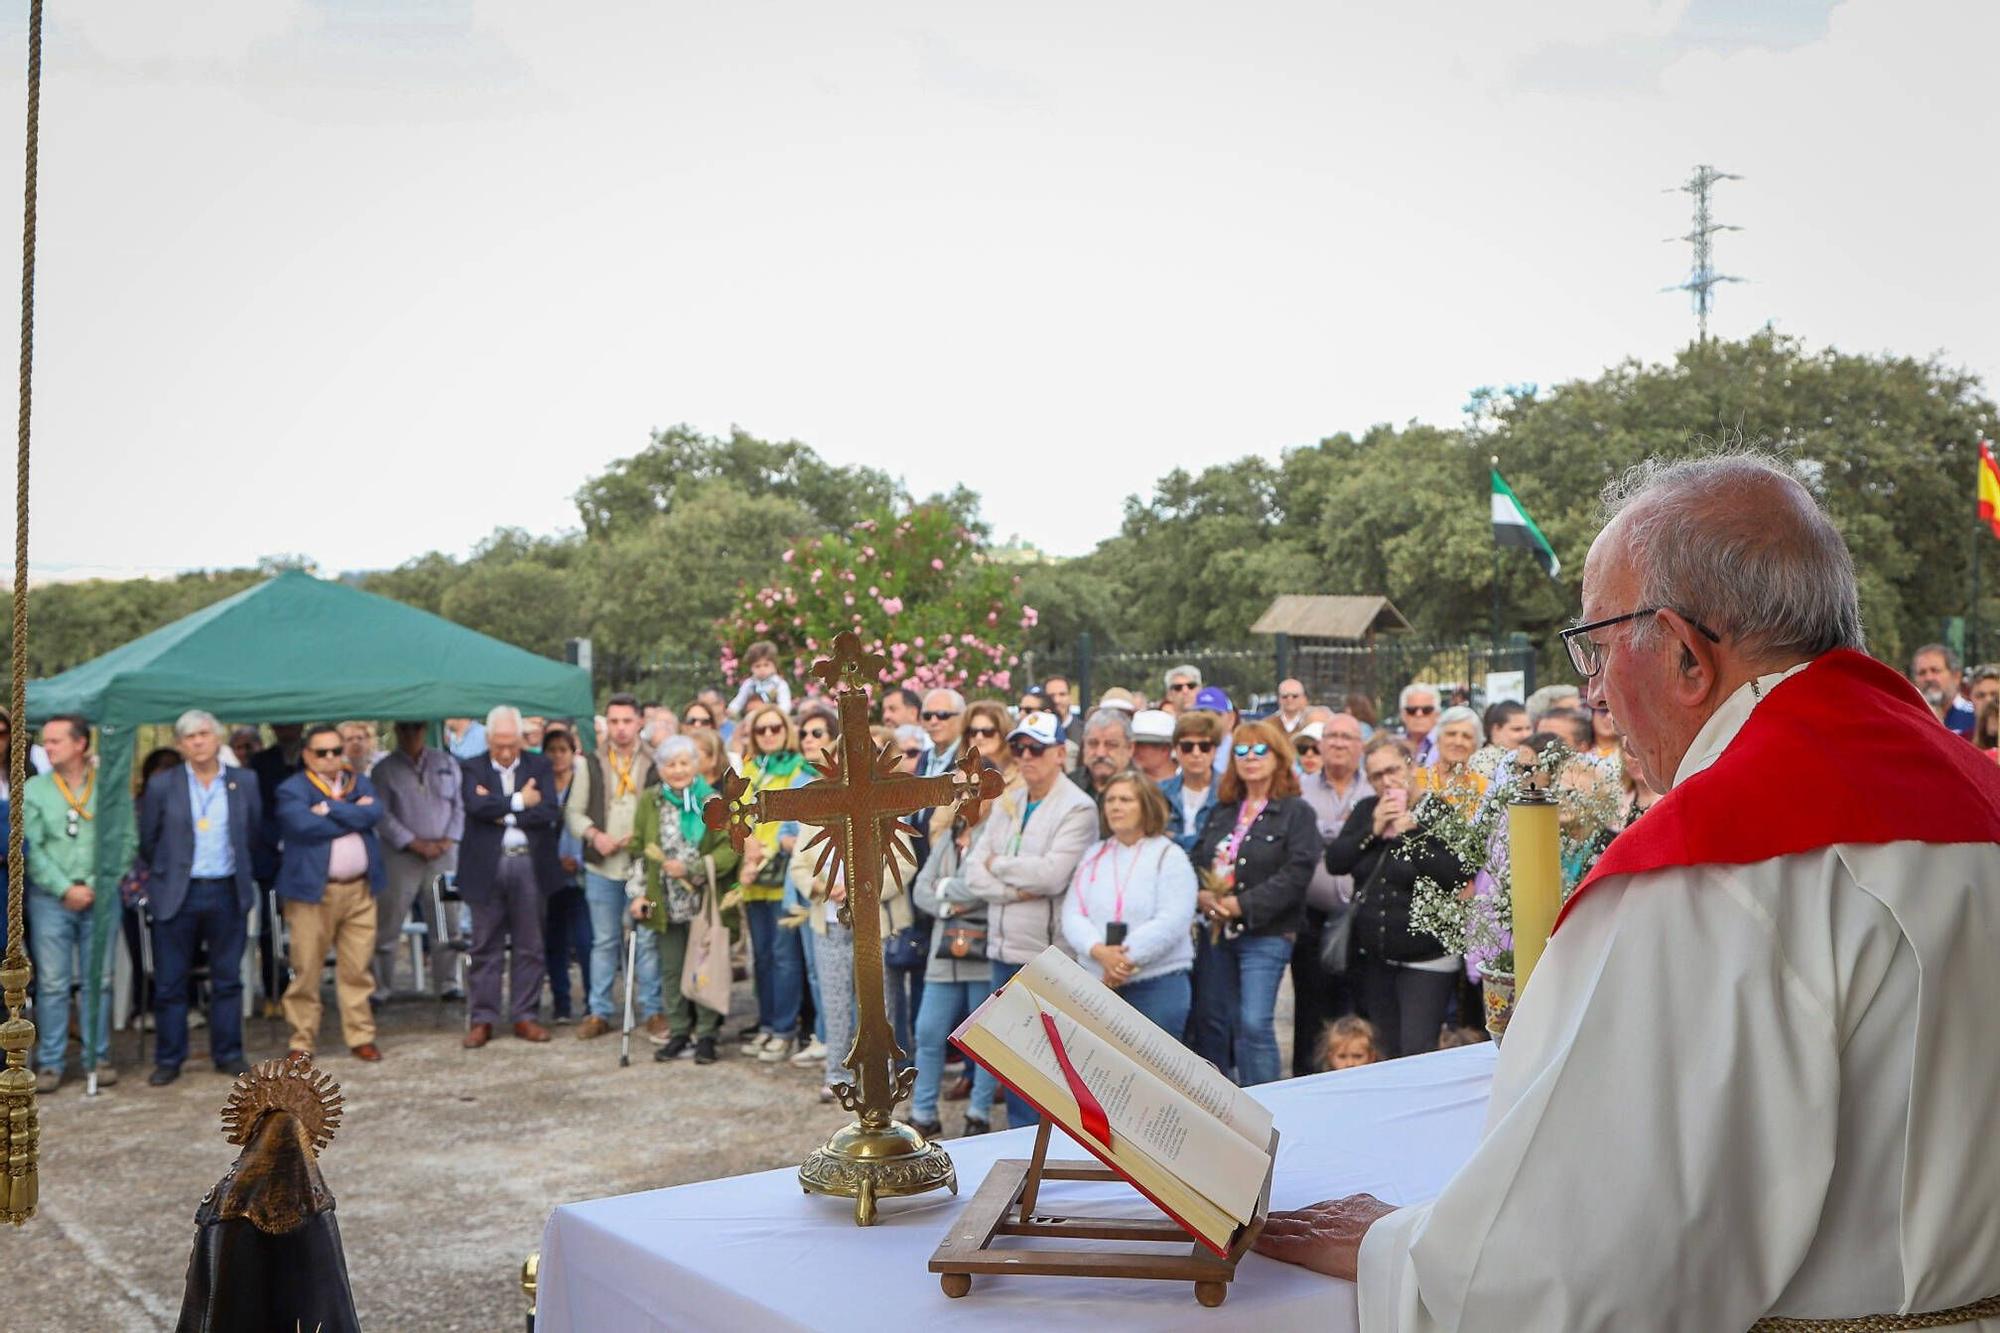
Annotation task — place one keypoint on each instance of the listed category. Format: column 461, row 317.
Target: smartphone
column 1114, row 933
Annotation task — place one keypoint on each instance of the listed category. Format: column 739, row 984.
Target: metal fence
column 1330, row 672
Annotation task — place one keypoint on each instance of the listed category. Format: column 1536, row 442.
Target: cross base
column 864, row 1164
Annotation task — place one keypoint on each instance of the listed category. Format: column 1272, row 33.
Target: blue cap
column 1213, row 700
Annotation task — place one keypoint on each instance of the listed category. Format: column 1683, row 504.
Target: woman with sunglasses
column 1191, row 792
column 697, row 716
column 772, row 761
column 1403, row 979
column 1259, row 845
column 986, row 726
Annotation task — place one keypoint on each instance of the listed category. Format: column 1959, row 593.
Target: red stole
column 1845, row 751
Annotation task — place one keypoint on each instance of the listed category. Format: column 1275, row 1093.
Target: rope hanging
column 19, row 1185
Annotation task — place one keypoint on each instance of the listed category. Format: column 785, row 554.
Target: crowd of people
column 1190, row 856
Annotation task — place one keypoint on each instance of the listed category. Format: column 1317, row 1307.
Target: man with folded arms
column 508, row 868
column 1751, row 1078
column 328, row 877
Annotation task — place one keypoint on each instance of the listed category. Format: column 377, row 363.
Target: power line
column 1702, row 278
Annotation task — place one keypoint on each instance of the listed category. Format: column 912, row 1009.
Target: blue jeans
column 905, row 988
column 1164, row 999
column 1236, row 994
column 566, row 938
column 777, row 957
column 209, row 914
column 609, row 915
column 945, row 1005
column 61, row 953
column 1019, row 1113
column 812, row 986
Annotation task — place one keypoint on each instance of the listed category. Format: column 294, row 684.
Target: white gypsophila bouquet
column 1477, row 920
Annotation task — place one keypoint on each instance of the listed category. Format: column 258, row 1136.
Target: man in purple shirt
column 423, row 818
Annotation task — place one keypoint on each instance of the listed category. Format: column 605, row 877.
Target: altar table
column 752, row 1253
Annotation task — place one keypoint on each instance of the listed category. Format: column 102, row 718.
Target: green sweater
column 714, row 842
column 56, row 860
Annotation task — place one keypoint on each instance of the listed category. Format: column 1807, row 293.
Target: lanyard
column 76, row 803
column 331, row 793
column 1118, row 877
column 624, row 772
column 1021, row 829
column 205, row 798
column 1244, row 819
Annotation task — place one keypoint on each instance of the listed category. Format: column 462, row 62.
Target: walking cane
column 146, row 1005
column 631, row 982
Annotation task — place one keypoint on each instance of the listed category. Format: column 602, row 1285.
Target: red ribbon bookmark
column 1095, row 1122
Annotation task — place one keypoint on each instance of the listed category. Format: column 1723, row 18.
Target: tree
column 681, row 461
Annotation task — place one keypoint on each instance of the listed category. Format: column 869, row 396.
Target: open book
column 1182, row 1134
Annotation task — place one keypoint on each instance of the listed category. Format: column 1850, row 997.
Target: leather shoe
column 591, row 1027
column 960, row 1089
column 529, row 1030
column 478, row 1035
column 233, row 1067
column 162, row 1075
column 368, row 1051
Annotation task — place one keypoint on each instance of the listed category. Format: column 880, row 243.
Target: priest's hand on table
column 1325, row 1237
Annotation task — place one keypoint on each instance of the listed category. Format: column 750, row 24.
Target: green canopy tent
column 293, row 649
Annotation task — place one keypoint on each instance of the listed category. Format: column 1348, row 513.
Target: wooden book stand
column 968, row 1247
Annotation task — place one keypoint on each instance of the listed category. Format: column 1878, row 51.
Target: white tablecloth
column 752, row 1253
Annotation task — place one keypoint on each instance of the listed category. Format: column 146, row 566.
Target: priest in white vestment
column 1754, row 1076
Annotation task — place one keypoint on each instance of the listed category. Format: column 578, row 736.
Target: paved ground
column 446, row 1167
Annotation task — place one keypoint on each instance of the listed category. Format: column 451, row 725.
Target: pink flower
column 936, row 563
column 848, row 598
column 816, row 574
column 787, row 556
column 1029, row 617
column 919, row 641
column 1003, row 680
column 760, row 627
column 992, row 617
column 874, row 591
column 892, row 606
column 811, row 645
column 867, row 553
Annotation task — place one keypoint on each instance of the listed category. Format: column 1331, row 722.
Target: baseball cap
column 1041, row 728
column 1213, row 700
column 1311, row 731
column 1154, row 725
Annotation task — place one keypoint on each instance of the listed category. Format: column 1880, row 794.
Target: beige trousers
column 344, row 918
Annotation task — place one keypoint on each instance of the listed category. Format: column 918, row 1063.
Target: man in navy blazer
column 328, row 877
column 198, row 826
column 507, row 868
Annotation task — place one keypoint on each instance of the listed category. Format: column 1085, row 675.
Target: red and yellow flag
column 1989, row 487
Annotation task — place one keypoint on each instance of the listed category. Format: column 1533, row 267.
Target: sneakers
column 704, row 1051
column 656, row 1029
column 676, row 1047
column 774, row 1048
column 812, row 1053
column 752, row 1038
column 592, row 1027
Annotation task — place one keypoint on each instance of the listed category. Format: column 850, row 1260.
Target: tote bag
column 705, row 971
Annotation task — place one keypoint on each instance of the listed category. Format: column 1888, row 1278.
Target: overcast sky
column 363, row 278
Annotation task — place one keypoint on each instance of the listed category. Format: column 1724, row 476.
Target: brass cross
column 858, row 806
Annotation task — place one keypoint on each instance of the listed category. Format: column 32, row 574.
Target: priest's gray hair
column 194, row 722
column 504, row 715
column 1736, row 541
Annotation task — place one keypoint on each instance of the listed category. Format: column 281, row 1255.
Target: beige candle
column 1535, row 853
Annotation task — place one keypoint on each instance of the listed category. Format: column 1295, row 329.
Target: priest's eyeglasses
column 1587, row 655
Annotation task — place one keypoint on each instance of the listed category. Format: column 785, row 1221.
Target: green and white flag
column 1513, row 527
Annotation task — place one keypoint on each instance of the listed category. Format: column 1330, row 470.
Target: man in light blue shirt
column 943, row 718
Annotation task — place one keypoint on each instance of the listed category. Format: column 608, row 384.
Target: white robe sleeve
column 1661, row 1137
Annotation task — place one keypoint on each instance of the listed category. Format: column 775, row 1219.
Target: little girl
column 1348, row 1042
column 763, row 684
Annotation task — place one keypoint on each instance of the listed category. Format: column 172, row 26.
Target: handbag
column 705, row 971
column 683, row 898
column 771, row 874
column 910, row 946
column 962, row 943
column 1381, row 922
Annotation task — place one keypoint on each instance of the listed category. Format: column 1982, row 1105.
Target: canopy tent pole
column 19, row 1186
